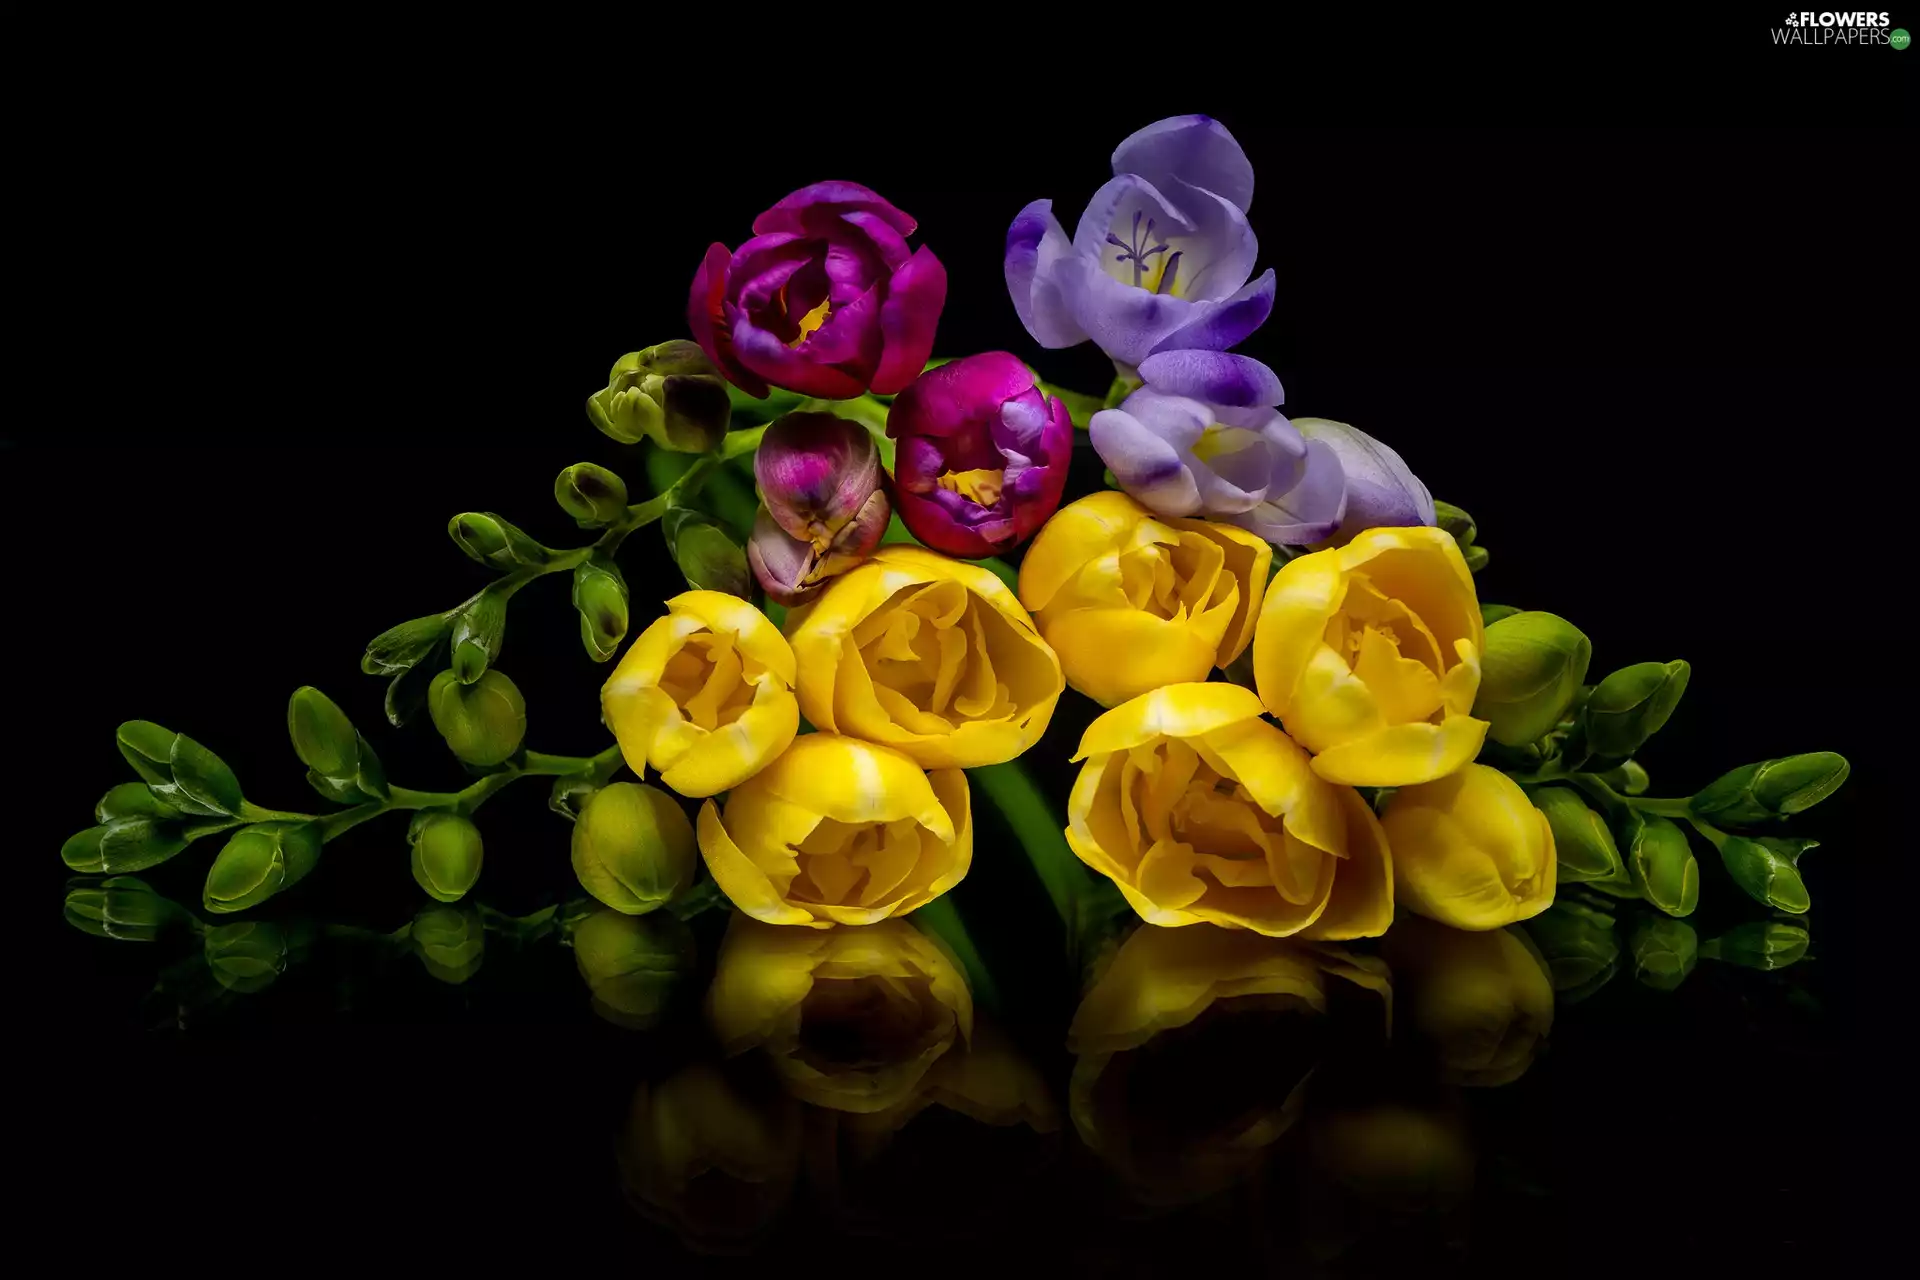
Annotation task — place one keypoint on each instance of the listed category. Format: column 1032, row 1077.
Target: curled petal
column 1381, row 489
column 1126, row 323
column 1193, row 149
column 909, row 319
column 1036, row 243
column 1308, row 512
column 1148, row 465
column 1213, row 376
column 834, row 197
column 1221, row 325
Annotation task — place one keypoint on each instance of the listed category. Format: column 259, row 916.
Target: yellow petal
column 1177, row 711
column 1280, row 778
column 1096, row 831
column 1403, row 754
column 1078, row 533
column 1461, row 684
column 754, row 633
column 931, row 566
column 745, row 885
column 728, row 756
column 1303, row 595
column 1405, row 689
column 1112, row 655
column 1249, row 557
column 854, row 782
column 1331, row 705
column 1361, row 905
column 1422, row 568
column 637, row 717
column 1470, row 850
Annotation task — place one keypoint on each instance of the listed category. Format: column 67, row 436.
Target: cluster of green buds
column 1572, row 745
column 1458, row 523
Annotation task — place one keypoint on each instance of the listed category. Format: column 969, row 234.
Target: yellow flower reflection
column 1482, row 998
column 852, row 1019
column 1193, row 1047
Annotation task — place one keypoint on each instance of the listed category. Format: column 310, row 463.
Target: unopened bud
column 483, row 722
column 446, row 853
column 1772, row 789
column 1629, row 706
column 591, row 494
column 671, row 394
column 600, row 595
column 260, row 861
column 1531, row 669
column 633, row 848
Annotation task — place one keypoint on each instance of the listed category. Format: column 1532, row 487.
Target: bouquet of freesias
column 1311, row 721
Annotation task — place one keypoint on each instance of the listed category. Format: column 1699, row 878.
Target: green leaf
column 407, row 691
column 406, row 646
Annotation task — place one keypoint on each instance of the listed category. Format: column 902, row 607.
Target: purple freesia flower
column 1202, row 438
column 1160, row 259
column 1381, row 490
column 982, row 455
column 826, row 299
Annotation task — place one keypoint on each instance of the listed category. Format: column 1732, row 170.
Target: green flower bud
column 633, row 848
column 1492, row 613
column 670, row 394
column 706, row 553
column 1662, row 864
column 1772, row 789
column 1578, row 943
column 1476, row 558
column 634, row 966
column 1456, row 522
column 478, row 628
column 1628, row 778
column 132, row 800
column 123, row 845
column 260, row 861
column 1582, row 844
column 591, row 494
column 446, row 853
column 122, row 908
column 323, row 737
column 402, row 648
column 1759, row 944
column 497, row 542
column 450, row 941
column 600, row 594
column 1768, row 868
column 483, row 722
column 182, row 773
column 1663, row 952
column 246, row 956
column 1530, row 671
column 1629, row 706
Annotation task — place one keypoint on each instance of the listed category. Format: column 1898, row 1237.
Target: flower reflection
column 979, row 1131
column 852, row 1018
column 633, row 965
column 1193, row 1046
column 1482, row 999
column 450, row 940
column 711, row 1153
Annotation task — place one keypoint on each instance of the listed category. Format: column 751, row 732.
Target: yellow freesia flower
column 1369, row 654
column 1470, row 850
column 838, row 831
column 1483, row 999
column 1180, row 1115
column 850, row 1018
column 705, row 695
column 931, row 656
column 1202, row 811
column 1132, row 601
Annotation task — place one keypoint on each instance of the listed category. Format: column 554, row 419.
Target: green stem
column 1714, row 835
column 338, row 824
column 1038, row 830
column 254, row 813
column 941, row 919
column 1665, row 808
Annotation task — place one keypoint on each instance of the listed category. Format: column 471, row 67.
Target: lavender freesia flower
column 1203, row 438
column 1381, row 490
column 982, row 458
column 1160, row 259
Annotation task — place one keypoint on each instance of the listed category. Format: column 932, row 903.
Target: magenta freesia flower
column 1160, row 259
column 825, row 300
column 982, row 455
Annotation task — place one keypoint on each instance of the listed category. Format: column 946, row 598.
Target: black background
column 1661, row 356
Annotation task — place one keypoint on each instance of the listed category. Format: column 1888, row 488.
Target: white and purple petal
column 1382, row 490
column 1035, row 245
column 1146, row 464
column 1217, row 326
column 1310, row 511
column 1217, row 377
